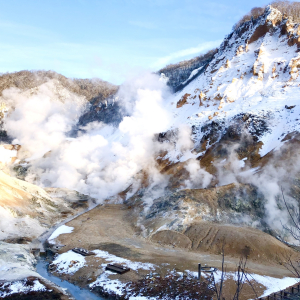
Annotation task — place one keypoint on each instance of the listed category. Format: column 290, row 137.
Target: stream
column 77, row 292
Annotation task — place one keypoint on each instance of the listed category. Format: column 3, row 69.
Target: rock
column 183, row 100
column 239, row 50
column 227, row 65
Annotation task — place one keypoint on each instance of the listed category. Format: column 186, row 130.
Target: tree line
column 287, row 8
column 180, row 72
column 89, row 88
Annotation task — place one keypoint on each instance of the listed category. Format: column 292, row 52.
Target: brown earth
column 238, row 241
column 17, row 193
column 172, row 238
column 110, row 228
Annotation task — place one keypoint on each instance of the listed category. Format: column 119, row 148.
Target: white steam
column 42, row 116
column 199, row 178
column 104, row 160
column 269, row 181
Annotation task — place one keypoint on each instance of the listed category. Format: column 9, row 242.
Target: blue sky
column 111, row 39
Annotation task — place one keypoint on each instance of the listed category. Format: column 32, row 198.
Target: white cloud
column 161, row 62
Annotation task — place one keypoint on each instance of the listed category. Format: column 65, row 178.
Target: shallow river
column 75, row 291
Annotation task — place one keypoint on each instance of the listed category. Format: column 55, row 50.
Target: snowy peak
column 272, row 15
column 259, row 57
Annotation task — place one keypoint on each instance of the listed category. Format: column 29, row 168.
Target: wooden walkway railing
column 292, row 293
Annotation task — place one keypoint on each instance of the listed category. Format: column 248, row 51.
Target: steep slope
column 243, row 111
column 255, row 71
column 179, row 75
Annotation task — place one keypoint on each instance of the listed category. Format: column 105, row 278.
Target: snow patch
column 21, row 287
column 107, row 284
column 130, row 264
column 69, row 262
column 60, row 230
column 194, row 72
column 272, row 284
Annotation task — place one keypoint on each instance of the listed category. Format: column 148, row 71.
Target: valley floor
column 107, row 230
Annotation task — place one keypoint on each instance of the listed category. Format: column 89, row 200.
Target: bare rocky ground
column 109, row 228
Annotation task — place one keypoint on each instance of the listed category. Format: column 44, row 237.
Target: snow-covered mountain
column 243, row 110
column 197, row 158
column 255, row 71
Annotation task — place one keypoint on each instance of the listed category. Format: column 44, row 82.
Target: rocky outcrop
column 183, row 100
column 294, row 68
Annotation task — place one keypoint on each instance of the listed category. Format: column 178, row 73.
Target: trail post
column 199, row 272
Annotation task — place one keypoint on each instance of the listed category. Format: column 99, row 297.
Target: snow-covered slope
column 254, row 72
column 243, row 111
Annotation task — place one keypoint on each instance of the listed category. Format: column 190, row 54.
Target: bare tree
column 291, row 265
column 180, row 72
column 294, row 230
column 257, row 11
column 219, row 287
column 89, row 88
column 294, row 214
column 240, row 278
